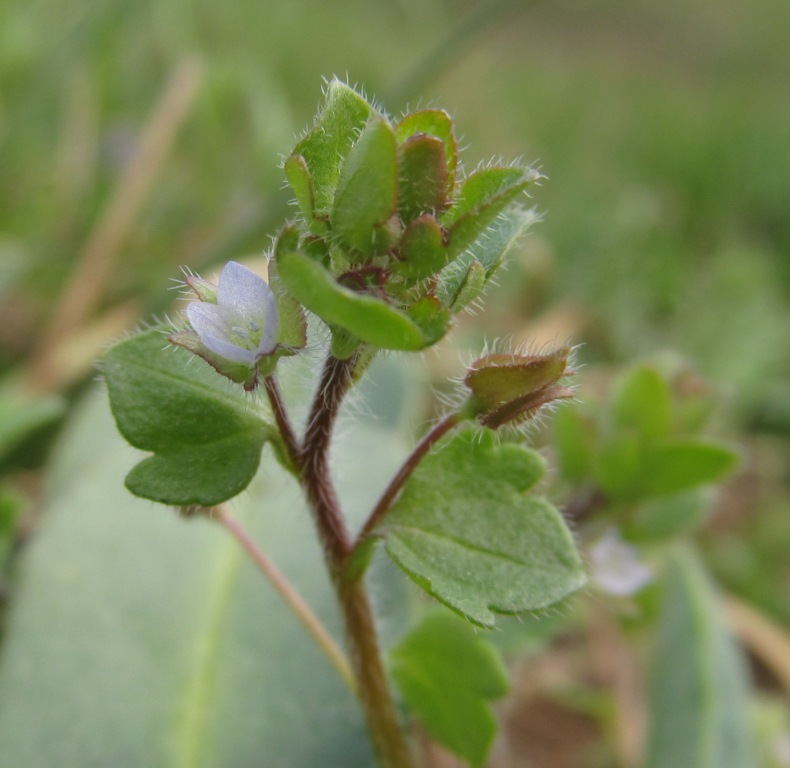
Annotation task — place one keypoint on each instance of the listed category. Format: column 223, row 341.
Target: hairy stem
column 385, row 730
column 292, row 598
column 404, row 473
column 290, row 442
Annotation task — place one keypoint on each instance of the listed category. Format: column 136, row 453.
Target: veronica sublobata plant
column 391, row 243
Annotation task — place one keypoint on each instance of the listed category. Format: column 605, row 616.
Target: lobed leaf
column 206, row 440
column 465, row 531
column 447, row 674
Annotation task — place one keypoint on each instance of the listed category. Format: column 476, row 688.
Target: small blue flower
column 243, row 325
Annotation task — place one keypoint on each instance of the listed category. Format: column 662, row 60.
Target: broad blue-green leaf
column 447, row 674
column 140, row 639
column 367, row 192
column 642, row 403
column 204, row 433
column 368, row 318
column 699, row 694
column 326, row 145
column 466, row 532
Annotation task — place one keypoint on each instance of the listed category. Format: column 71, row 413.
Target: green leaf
column 642, row 403
column 422, row 250
column 699, row 694
column 671, row 467
column 574, row 441
column 465, row 531
column 293, row 323
column 484, row 195
column 433, row 122
column 155, row 641
column 368, row 318
column 489, row 250
column 326, row 145
column 447, row 674
column 298, row 175
column 666, row 517
column 367, row 191
column 423, row 176
column 464, row 292
column 205, row 437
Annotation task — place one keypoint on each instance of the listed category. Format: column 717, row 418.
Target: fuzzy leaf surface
column 367, row 191
column 205, row 437
column 447, row 674
column 325, row 146
column 464, row 530
column 432, row 122
column 368, row 318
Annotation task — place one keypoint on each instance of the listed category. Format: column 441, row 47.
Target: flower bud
column 509, row 389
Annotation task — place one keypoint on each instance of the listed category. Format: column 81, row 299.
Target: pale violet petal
column 244, row 293
column 208, row 319
column 271, row 328
column 229, row 351
column 615, row 566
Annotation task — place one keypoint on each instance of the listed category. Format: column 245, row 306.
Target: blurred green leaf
column 464, row 530
column 672, row 467
column 574, row 441
column 368, row 318
column 699, row 694
column 367, row 192
column 21, row 416
column 663, row 517
column 642, row 403
column 447, row 674
column 324, row 148
column 205, row 438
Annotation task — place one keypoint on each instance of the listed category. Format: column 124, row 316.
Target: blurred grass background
column 137, row 137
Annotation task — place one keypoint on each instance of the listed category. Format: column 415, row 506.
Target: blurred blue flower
column 243, row 325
